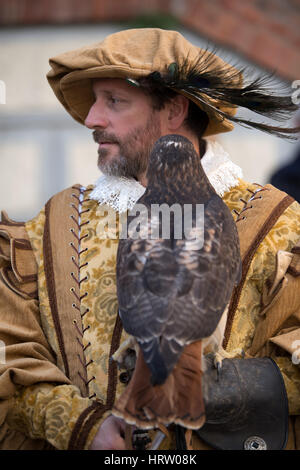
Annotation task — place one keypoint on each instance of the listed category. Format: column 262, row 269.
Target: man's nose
column 96, row 117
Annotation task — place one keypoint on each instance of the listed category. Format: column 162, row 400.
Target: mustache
column 100, row 136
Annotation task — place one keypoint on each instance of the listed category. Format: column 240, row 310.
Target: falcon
column 174, row 289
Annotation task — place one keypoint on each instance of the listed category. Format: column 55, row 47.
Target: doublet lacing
column 251, row 199
column 80, row 198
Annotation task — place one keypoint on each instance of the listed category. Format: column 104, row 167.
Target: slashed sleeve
column 284, row 344
column 278, row 331
column 36, row 397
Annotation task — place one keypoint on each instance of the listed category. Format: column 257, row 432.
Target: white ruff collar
column 121, row 193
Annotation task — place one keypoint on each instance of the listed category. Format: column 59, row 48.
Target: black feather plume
column 206, row 77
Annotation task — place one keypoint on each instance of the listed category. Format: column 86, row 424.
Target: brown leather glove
column 246, row 405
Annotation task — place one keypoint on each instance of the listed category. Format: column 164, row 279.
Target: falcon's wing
column 215, row 270
column 146, row 273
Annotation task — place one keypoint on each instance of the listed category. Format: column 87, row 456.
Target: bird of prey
column 174, row 288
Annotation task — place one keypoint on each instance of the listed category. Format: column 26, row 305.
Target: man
column 58, row 305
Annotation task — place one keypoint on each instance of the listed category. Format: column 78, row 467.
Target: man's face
column 125, row 127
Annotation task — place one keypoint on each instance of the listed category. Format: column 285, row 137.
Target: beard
column 134, row 150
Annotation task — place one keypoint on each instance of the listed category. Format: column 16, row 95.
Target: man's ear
column 177, row 112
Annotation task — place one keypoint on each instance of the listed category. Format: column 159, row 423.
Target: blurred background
column 43, row 150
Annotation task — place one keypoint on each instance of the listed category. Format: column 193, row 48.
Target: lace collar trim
column 121, row 193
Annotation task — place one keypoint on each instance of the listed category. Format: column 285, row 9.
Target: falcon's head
column 171, row 154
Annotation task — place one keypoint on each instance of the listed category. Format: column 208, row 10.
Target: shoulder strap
column 255, row 220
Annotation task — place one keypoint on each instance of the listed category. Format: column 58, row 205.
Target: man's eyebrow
column 110, row 92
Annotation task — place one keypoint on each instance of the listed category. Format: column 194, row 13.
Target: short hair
column 196, row 120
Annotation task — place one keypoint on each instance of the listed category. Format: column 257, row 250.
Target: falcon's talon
column 120, row 354
column 221, row 354
column 218, row 359
column 219, row 368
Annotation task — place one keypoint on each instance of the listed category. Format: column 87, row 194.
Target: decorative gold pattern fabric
column 62, row 405
column 45, row 411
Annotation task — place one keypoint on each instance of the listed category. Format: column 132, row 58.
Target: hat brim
column 76, row 94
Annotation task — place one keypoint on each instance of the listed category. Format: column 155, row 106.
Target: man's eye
column 114, row 100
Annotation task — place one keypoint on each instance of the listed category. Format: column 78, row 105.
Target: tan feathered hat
column 215, row 86
column 132, row 54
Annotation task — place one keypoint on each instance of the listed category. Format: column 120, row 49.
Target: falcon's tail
column 161, row 357
column 178, row 400
column 155, row 360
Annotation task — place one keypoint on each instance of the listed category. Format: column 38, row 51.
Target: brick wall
column 265, row 31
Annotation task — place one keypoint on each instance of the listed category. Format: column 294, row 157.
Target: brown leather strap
column 61, row 287
column 128, row 437
column 189, row 439
column 258, row 216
